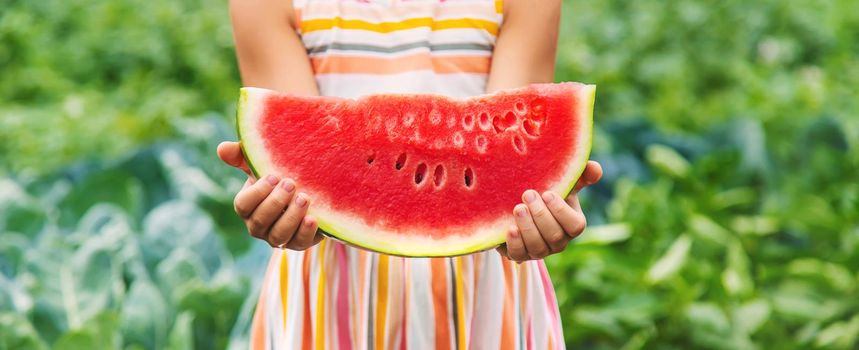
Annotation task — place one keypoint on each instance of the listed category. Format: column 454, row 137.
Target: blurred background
column 728, row 217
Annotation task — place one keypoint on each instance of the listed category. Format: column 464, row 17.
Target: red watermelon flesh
column 420, row 175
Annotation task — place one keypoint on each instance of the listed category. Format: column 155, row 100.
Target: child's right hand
column 270, row 207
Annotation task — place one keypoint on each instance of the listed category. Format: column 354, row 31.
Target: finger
column 250, row 181
column 571, row 220
column 515, row 246
column 591, row 175
column 306, row 235
column 271, row 208
column 502, row 249
column 552, row 232
column 249, row 198
column 319, row 236
column 534, row 243
column 573, row 201
column 230, row 152
column 285, row 227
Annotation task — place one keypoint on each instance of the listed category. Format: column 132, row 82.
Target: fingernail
column 548, row 196
column 514, row 233
column 272, row 180
column 307, row 221
column 521, row 212
column 287, row 185
column 300, row 200
column 530, row 196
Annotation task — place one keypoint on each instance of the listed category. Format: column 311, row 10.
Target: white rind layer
column 355, row 231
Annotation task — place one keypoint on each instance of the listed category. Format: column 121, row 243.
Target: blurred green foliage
column 728, row 217
column 84, row 79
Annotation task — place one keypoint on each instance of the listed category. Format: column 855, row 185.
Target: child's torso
column 358, row 47
column 333, row 296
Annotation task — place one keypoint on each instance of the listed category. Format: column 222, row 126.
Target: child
column 321, row 294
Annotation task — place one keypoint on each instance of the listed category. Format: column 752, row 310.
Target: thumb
column 230, row 152
column 591, row 175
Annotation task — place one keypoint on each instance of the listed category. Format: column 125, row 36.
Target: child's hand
column 270, row 208
column 546, row 224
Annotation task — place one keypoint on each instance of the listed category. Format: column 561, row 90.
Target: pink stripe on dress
column 344, row 340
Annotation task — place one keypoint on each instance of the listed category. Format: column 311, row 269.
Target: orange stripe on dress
column 344, row 64
column 508, row 333
column 460, row 305
column 258, row 325
column 307, row 332
column 381, row 302
column 438, row 270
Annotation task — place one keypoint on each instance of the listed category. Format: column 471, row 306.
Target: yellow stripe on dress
column 460, row 304
column 313, row 25
column 320, row 298
column 284, row 283
column 381, row 302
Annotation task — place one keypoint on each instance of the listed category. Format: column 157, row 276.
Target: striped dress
column 333, row 296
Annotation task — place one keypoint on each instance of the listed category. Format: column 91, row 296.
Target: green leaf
column 13, row 297
column 706, row 228
column 100, row 333
column 755, row 225
column 145, row 316
column 737, row 278
column 839, row 335
column 734, row 197
column 17, row 333
column 182, row 266
column 667, row 160
column 188, row 181
column 749, row 317
column 639, row 339
column 603, row 323
column 709, row 325
column 839, row 277
column 87, row 281
column 13, row 247
column 672, row 261
column 19, row 211
column 708, row 316
column 604, row 234
column 177, row 224
column 114, row 186
column 182, row 335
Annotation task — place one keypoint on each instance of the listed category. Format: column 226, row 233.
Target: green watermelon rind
column 243, row 97
column 588, row 110
column 579, row 160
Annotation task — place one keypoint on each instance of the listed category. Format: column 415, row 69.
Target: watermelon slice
column 420, row 175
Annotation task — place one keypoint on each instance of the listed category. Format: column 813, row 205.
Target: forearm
column 527, row 44
column 269, row 51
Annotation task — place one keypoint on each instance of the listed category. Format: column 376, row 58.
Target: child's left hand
column 545, row 224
